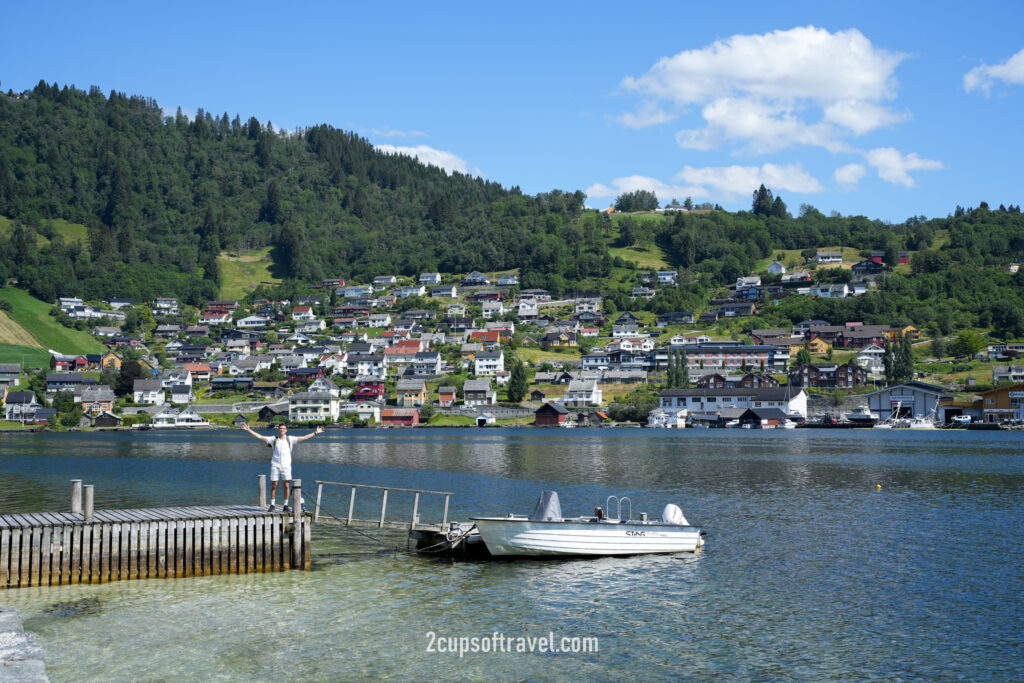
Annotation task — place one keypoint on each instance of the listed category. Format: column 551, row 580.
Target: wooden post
column 383, row 508
column 444, row 522
column 261, row 485
column 415, row 510
column 76, row 496
column 296, row 559
column 87, row 511
column 319, row 495
column 351, row 504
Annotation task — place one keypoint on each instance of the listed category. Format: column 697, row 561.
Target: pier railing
column 381, row 521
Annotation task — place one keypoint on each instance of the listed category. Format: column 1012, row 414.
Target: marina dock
column 96, row 546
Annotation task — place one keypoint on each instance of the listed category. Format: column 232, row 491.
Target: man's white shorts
column 279, row 472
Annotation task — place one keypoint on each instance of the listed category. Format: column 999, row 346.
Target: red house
column 369, row 389
column 400, row 417
column 550, row 415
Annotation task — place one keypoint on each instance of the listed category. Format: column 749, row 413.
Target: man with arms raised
column 281, row 462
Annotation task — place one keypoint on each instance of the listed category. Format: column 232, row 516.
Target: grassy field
column 450, row 420
column 71, row 232
column 653, row 258
column 31, row 356
column 13, row 333
column 34, row 316
column 538, row 355
column 240, row 274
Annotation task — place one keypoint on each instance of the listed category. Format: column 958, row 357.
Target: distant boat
column 862, row 415
column 546, row 533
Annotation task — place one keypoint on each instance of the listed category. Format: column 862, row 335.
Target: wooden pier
column 97, row 546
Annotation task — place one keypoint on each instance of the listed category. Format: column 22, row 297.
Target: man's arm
column 318, row 430
column 245, row 426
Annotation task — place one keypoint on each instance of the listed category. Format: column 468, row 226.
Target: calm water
column 810, row 572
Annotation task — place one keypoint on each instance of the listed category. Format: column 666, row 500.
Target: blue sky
column 882, row 109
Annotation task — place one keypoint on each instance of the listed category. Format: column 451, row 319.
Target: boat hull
column 520, row 537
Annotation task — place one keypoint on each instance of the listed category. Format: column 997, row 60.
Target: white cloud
column 861, row 117
column 893, row 166
column 664, row 191
column 393, row 133
column 800, row 86
column 734, row 181
column 984, row 77
column 649, row 114
column 726, row 182
column 430, row 156
column 849, row 175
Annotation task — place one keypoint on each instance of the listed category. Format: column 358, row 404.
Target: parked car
column 960, row 419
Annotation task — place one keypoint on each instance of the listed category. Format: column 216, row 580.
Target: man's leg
column 287, row 492
column 273, row 489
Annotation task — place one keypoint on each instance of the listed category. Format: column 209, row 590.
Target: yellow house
column 111, row 360
column 894, row 333
column 411, row 392
column 818, row 347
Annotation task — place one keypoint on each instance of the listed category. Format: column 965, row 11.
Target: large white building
column 706, row 400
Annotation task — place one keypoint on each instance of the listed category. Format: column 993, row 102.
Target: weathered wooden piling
column 96, row 546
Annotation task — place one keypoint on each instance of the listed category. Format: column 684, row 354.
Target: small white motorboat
column 546, row 533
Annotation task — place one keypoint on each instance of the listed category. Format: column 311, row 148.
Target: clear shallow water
column 810, row 573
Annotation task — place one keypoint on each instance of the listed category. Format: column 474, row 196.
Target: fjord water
column 810, row 571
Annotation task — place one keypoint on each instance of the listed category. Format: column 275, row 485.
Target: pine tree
column 889, row 363
column 518, row 384
column 684, row 370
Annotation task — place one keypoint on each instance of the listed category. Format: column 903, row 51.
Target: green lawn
column 34, row 316
column 538, row 355
column 240, row 274
column 450, row 420
column 647, row 259
column 31, row 356
column 72, row 232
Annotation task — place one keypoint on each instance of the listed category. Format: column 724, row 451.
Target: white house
column 748, row 281
column 379, row 320
column 313, row 406
column 492, row 308
column 582, row 393
column 667, row 277
column 148, row 391
column 430, row 278
column 776, row 268
column 488, row 362
column 253, row 321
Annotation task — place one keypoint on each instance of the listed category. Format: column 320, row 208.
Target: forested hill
column 163, row 196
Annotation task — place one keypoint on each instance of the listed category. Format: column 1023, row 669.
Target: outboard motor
column 673, row 515
column 547, row 509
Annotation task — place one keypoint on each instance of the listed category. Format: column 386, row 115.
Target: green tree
column 967, row 343
column 803, row 357
column 130, row 371
column 518, row 385
column 762, row 202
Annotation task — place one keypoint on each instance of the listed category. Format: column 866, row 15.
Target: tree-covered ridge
column 163, row 196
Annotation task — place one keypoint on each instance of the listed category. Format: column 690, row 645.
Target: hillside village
column 477, row 349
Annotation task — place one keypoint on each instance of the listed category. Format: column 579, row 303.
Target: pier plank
column 45, row 556
column 24, row 550
column 94, row 554
column 75, row 559
column 5, row 556
column 125, row 552
column 275, row 544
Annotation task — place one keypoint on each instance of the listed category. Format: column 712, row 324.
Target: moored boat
column 546, row 533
